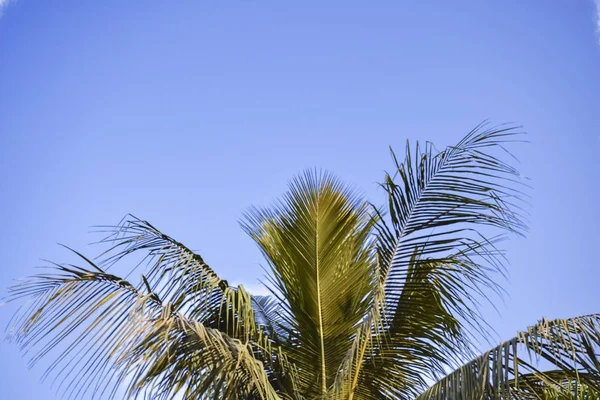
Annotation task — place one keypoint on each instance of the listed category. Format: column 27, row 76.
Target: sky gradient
column 187, row 115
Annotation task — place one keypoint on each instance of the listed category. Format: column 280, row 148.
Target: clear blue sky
column 187, row 114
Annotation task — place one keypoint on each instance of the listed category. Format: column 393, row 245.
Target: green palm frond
column 316, row 241
column 570, row 390
column 60, row 303
column 267, row 310
column 369, row 336
column 555, row 385
column 175, row 355
column 433, row 256
column 104, row 332
column 443, row 205
column 568, row 348
column 181, row 277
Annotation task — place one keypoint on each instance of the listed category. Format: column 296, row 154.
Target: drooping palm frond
column 553, row 385
column 108, row 332
column 570, row 390
column 553, row 359
column 175, row 355
column 181, row 277
column 316, row 242
column 59, row 304
column 435, row 253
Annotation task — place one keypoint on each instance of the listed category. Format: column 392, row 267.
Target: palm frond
column 434, row 256
column 59, row 304
column 107, row 332
column 570, row 390
column 369, row 336
column 181, row 277
column 445, row 204
column 316, row 242
column 554, row 385
column 178, row 356
column 567, row 348
column 267, row 310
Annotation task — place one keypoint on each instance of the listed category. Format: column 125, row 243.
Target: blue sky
column 187, row 114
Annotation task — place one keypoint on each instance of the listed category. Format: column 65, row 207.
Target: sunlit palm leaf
column 181, row 277
column 316, row 243
column 107, row 333
column 175, row 355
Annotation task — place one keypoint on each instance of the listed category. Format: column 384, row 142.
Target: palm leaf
column 176, row 355
column 568, row 348
column 180, row 276
column 553, row 384
column 441, row 205
column 115, row 333
column 433, row 256
column 316, row 242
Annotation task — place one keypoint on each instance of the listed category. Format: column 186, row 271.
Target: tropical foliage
column 366, row 302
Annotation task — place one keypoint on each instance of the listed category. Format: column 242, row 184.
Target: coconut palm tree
column 366, row 302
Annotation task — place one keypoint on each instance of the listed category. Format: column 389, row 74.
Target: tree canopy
column 367, row 301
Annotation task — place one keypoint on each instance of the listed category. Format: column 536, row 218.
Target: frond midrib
column 319, row 307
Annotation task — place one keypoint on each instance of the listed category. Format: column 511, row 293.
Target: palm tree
column 366, row 302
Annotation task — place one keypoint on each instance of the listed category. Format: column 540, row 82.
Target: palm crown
column 366, row 302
